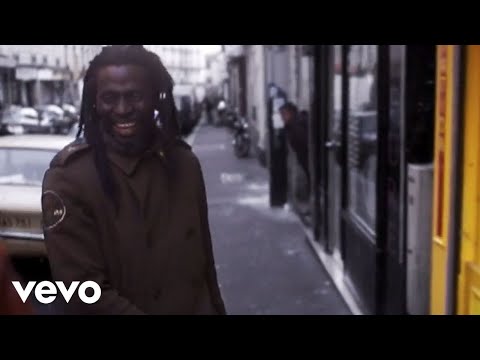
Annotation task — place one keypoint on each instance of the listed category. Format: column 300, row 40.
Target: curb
column 334, row 270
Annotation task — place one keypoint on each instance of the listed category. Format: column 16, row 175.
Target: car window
column 24, row 166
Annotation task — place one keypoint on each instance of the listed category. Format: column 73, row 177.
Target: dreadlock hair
column 89, row 123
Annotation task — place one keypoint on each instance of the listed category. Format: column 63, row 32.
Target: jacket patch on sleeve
column 53, row 209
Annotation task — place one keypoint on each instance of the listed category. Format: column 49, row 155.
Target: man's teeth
column 126, row 125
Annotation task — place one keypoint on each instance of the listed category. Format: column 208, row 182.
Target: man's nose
column 123, row 107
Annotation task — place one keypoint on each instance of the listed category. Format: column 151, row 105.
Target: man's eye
column 136, row 96
column 108, row 98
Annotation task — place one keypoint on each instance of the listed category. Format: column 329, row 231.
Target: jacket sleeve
column 73, row 246
column 212, row 281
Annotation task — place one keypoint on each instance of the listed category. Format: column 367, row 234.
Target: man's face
column 125, row 102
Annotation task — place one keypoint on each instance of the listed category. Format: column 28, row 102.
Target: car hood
column 20, row 198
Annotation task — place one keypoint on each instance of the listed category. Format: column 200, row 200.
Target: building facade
column 187, row 66
column 32, row 75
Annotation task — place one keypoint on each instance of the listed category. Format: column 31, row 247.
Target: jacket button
column 157, row 295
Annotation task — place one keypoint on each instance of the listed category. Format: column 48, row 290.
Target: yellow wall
column 442, row 163
column 469, row 279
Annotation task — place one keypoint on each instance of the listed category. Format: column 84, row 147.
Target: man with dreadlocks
column 125, row 204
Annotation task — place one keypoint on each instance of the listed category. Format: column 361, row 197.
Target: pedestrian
column 10, row 301
column 125, row 204
column 208, row 109
column 296, row 130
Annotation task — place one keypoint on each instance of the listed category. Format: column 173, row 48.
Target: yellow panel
column 475, row 304
column 475, row 301
column 469, row 253
column 473, row 286
column 442, row 163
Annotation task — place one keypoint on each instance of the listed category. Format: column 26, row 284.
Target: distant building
column 217, row 75
column 32, row 75
column 187, row 66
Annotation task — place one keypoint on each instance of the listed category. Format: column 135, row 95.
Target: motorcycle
column 241, row 138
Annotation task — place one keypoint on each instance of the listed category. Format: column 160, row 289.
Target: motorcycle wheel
column 241, row 147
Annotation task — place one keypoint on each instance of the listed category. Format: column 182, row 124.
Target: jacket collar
column 128, row 164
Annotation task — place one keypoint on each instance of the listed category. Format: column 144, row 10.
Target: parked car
column 19, row 120
column 60, row 119
column 71, row 114
column 23, row 162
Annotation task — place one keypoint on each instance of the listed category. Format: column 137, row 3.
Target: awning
column 26, row 73
column 6, row 62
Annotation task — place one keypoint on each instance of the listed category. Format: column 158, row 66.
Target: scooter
column 241, row 138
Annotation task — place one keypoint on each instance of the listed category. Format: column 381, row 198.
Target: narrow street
column 265, row 266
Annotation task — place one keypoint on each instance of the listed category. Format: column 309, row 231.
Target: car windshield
column 24, row 166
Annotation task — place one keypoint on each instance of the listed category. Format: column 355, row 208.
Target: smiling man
column 124, row 105
column 125, row 205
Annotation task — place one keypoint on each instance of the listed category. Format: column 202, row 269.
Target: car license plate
column 14, row 222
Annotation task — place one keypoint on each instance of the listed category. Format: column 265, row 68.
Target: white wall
column 186, row 63
column 256, row 92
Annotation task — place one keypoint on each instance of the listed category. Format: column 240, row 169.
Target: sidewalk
column 265, row 264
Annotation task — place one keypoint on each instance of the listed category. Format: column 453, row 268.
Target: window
column 24, row 166
column 362, row 134
column 336, row 128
